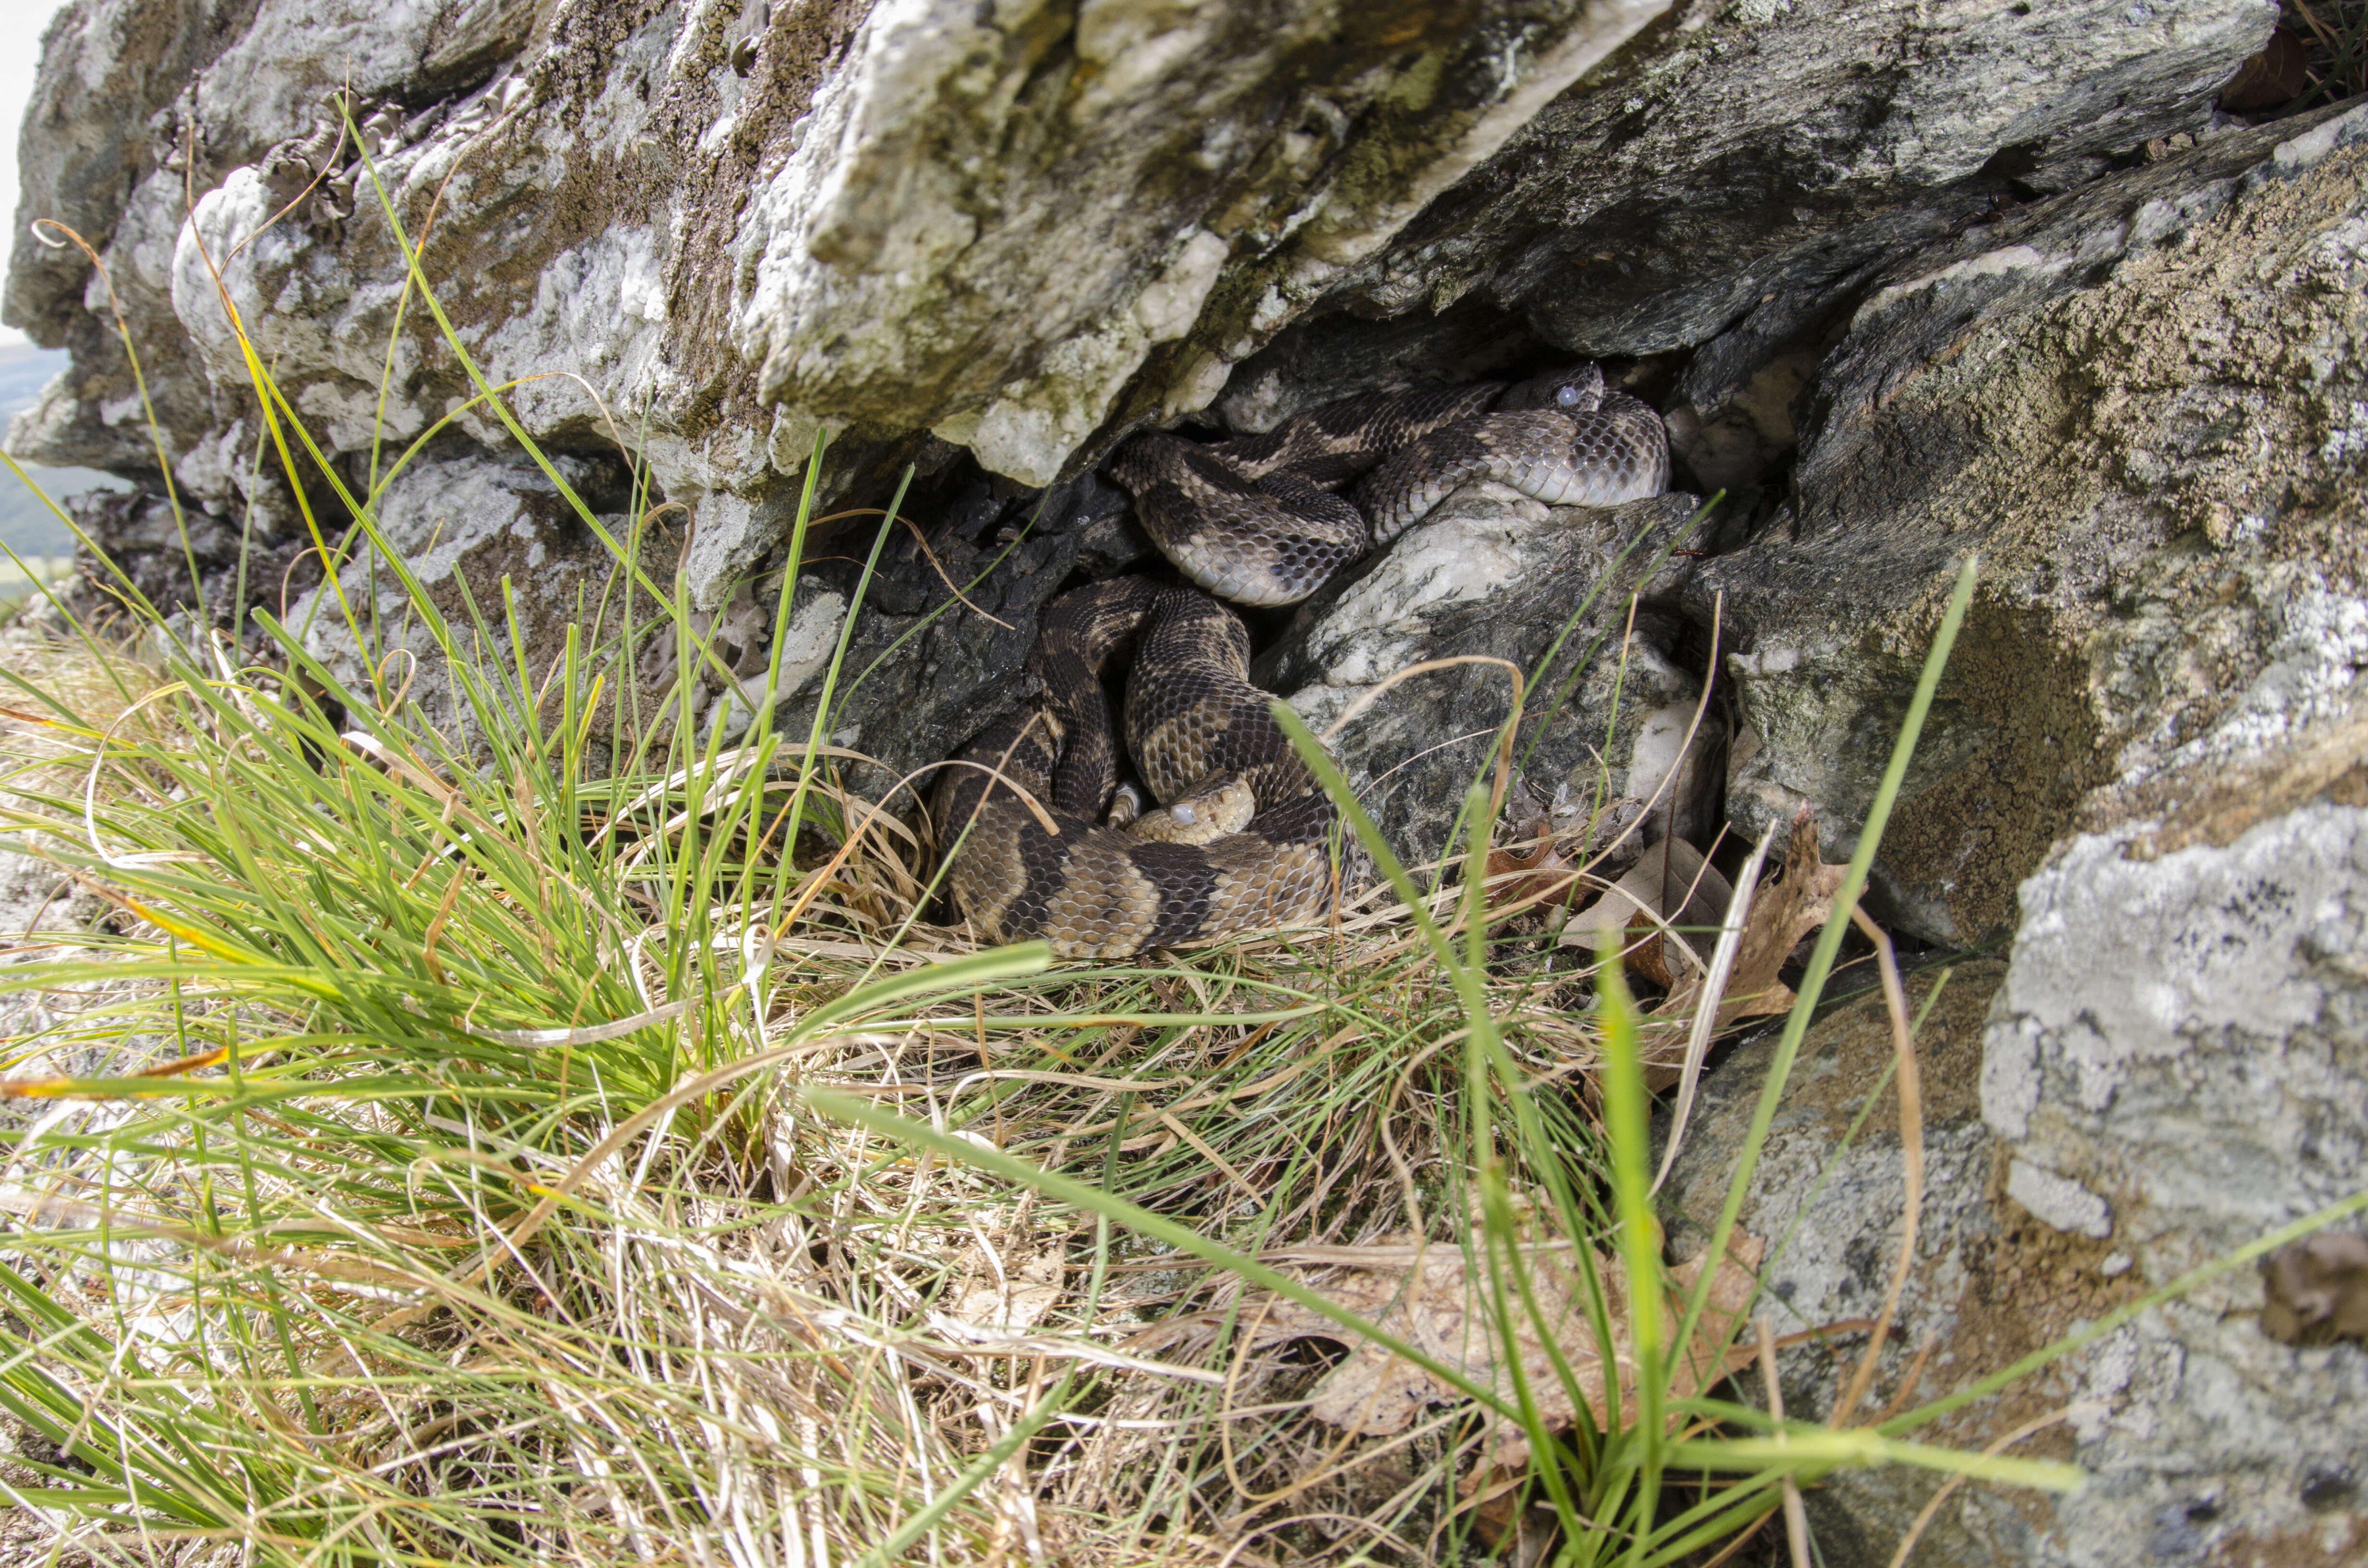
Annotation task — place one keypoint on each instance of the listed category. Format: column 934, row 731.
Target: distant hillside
column 26, row 526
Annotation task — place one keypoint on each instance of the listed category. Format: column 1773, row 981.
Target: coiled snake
column 1240, row 840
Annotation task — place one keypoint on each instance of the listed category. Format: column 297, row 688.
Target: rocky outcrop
column 2178, row 1064
column 1908, row 281
column 1732, row 178
column 736, row 225
column 1828, row 1198
column 2139, row 403
column 2174, row 1066
column 700, row 236
column 720, row 227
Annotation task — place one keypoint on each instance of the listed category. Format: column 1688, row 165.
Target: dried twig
column 930, row 555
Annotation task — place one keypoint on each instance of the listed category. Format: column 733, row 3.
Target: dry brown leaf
column 1672, row 885
column 1797, row 903
column 1444, row 1311
column 1018, row 1298
column 1554, row 878
column 2276, row 76
column 2316, row 1290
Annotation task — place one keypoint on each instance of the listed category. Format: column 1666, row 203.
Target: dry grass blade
column 1908, row 1082
column 1796, row 1519
column 1948, row 1489
column 1710, row 997
column 1505, row 746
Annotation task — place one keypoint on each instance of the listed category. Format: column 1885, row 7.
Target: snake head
column 1578, row 389
column 1220, row 804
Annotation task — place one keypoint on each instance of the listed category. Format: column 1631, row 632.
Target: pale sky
column 21, row 25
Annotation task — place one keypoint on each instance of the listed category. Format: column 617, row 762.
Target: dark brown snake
column 1241, row 841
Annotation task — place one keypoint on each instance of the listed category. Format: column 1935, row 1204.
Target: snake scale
column 1240, row 840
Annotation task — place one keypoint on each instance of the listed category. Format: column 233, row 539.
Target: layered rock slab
column 708, row 234
column 2139, row 404
column 1829, row 1194
column 2136, row 401
column 1021, row 229
column 1735, row 174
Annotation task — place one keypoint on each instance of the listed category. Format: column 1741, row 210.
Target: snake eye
column 1567, row 397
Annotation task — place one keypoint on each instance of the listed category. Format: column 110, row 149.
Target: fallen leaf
column 2316, row 1290
column 1574, row 847
column 1546, row 873
column 1016, row 1298
column 1797, row 903
column 2276, row 76
column 1671, row 885
column 1442, row 1304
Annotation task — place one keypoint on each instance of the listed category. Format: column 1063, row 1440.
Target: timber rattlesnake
column 1240, row 842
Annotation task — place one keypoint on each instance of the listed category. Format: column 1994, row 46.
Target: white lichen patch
column 2001, row 263
column 2320, row 654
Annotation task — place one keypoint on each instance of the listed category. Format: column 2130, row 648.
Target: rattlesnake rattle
column 1240, row 842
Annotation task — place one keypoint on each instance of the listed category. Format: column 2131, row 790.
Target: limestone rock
column 726, row 228
column 498, row 553
column 1983, row 1291
column 151, row 548
column 2139, row 403
column 2173, row 1064
column 2181, row 1049
column 706, row 233
column 1730, row 177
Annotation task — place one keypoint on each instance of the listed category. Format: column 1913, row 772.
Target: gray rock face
column 1036, row 199
column 1830, row 1207
column 1733, row 174
column 1073, row 218
column 2135, row 400
column 703, row 235
column 496, row 550
column 2179, row 1063
column 2138, row 402
column 2174, row 1064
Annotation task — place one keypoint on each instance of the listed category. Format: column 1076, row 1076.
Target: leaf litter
column 1440, row 1300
